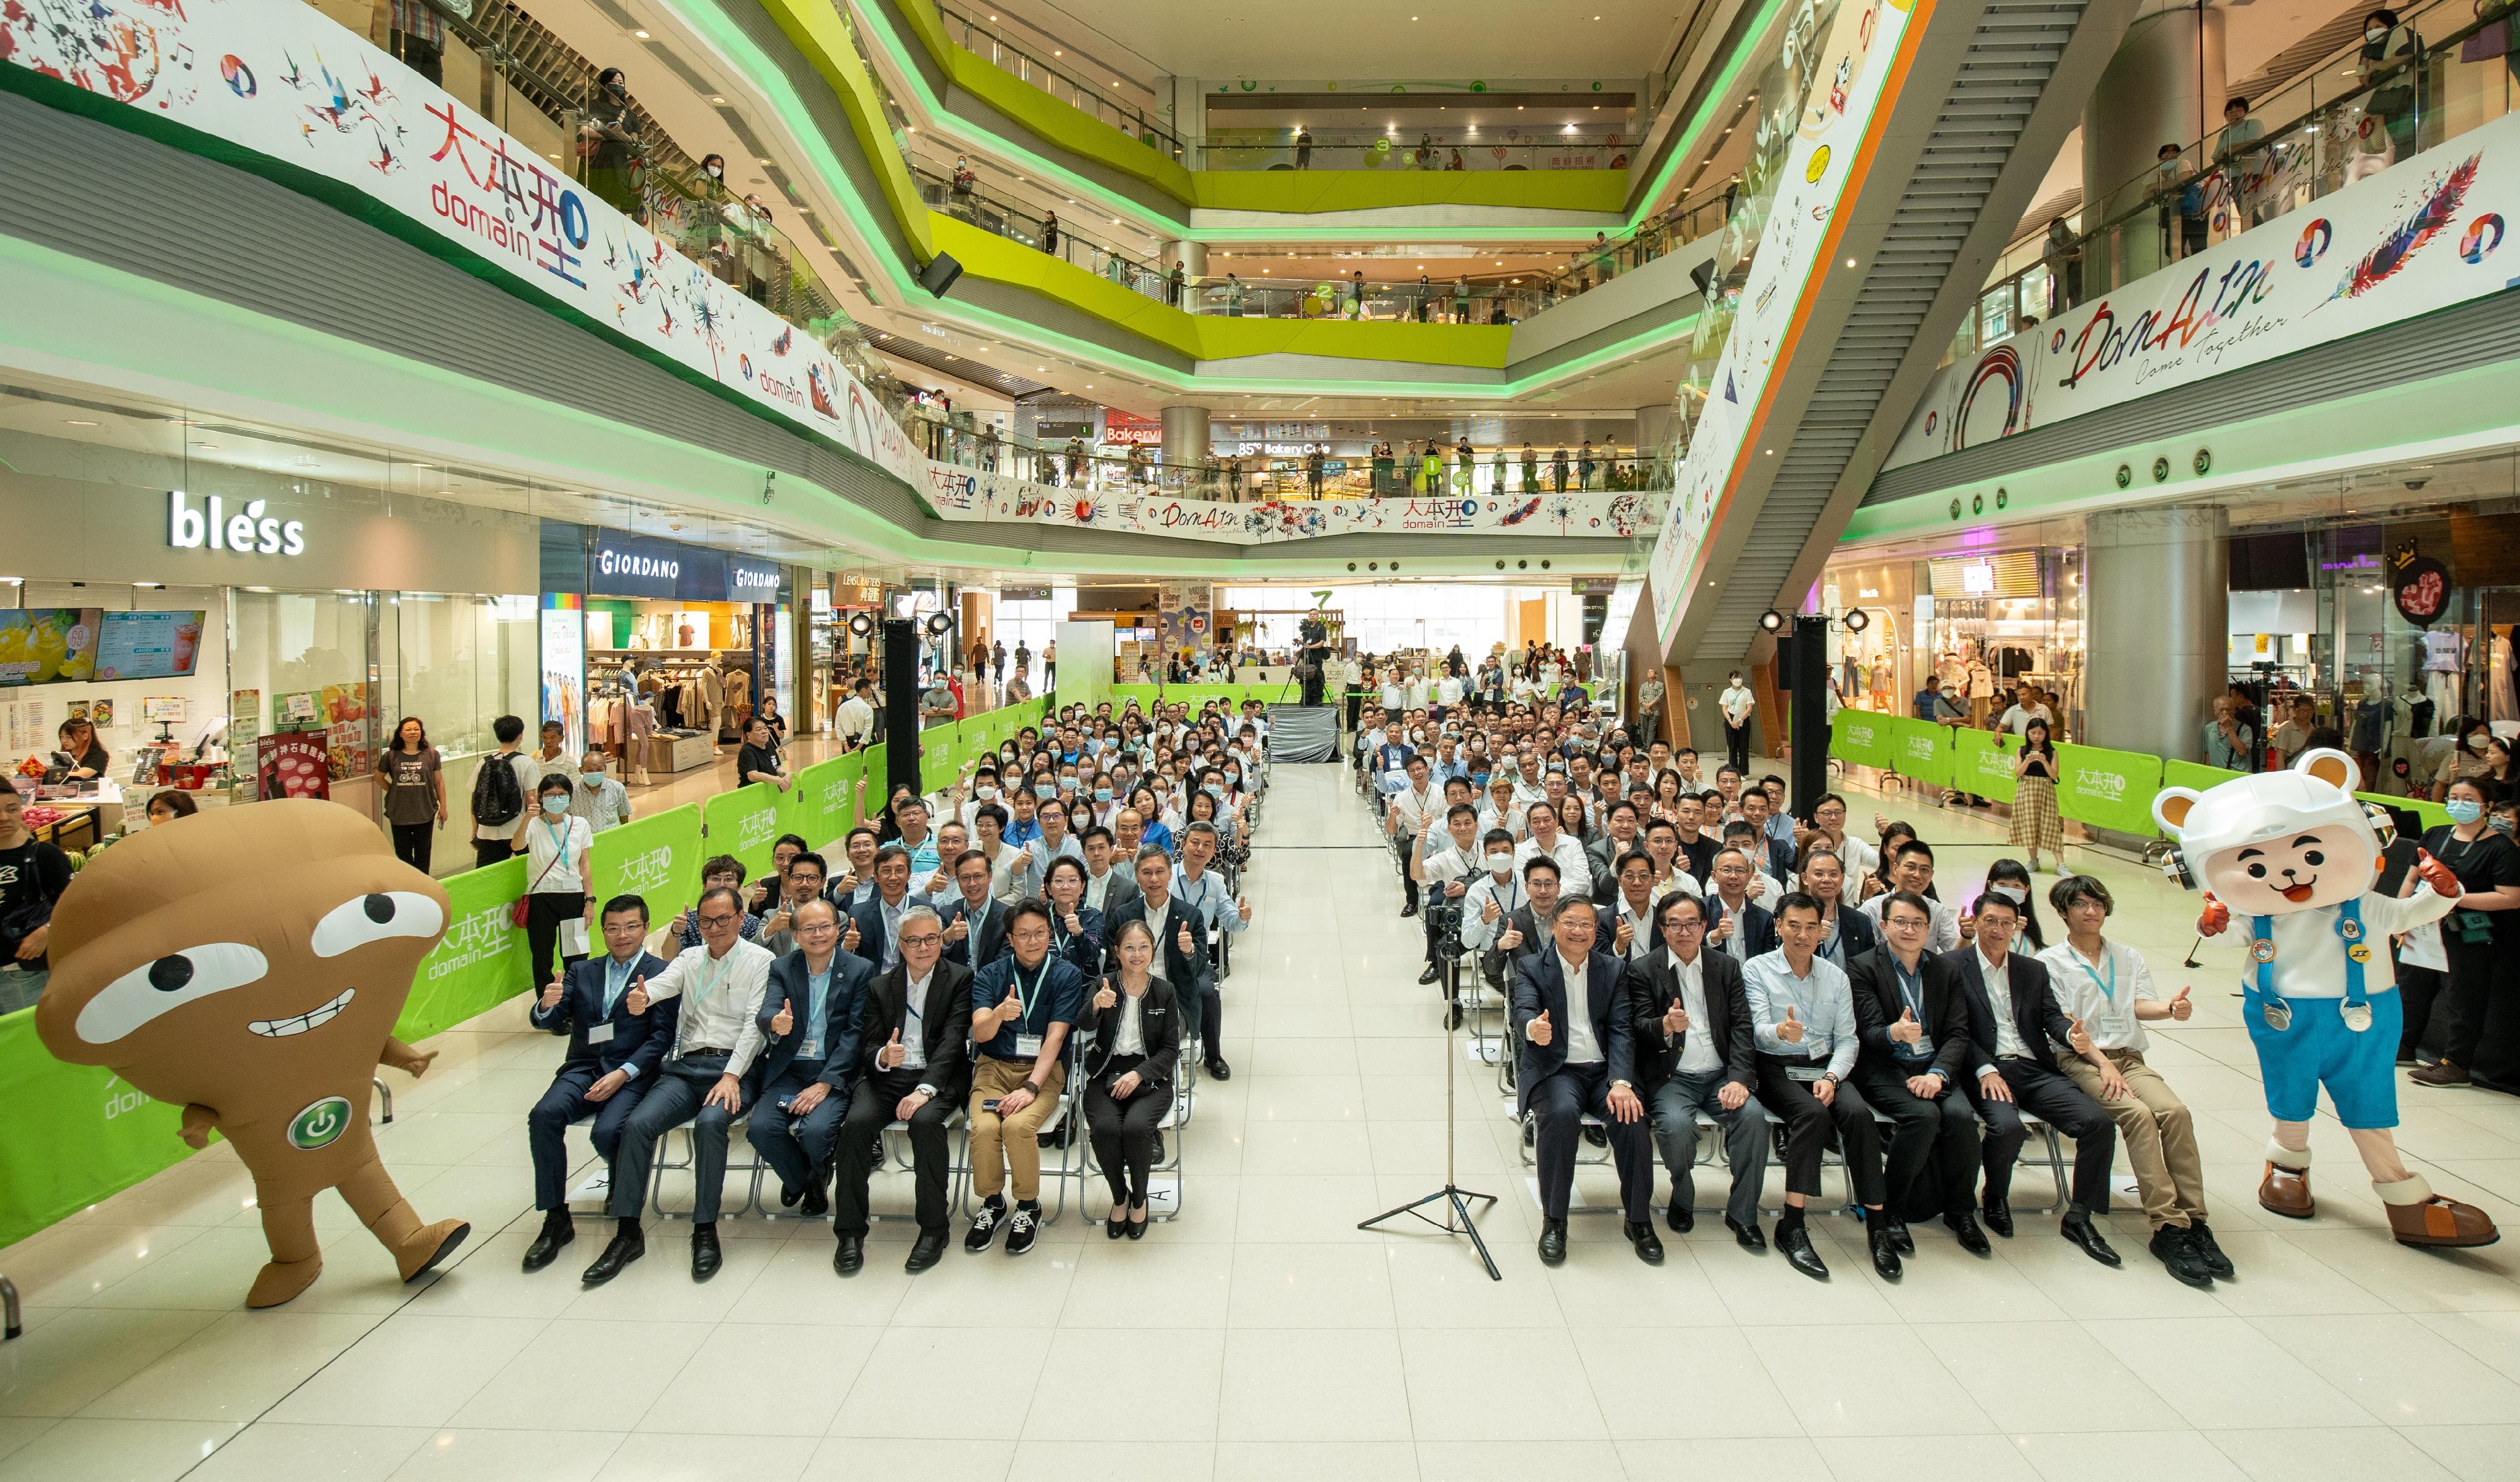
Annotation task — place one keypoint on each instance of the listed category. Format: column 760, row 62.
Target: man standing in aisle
column 717, row 1038
column 914, row 1066
column 854, row 719
column 1913, row 1066
column 1695, row 1053
column 1570, row 1004
column 599, row 798
column 1406, row 820
column 496, row 810
column 1736, row 704
column 612, row 1060
column 1023, row 1008
column 811, row 1060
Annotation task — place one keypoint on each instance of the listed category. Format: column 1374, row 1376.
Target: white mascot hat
column 2314, row 792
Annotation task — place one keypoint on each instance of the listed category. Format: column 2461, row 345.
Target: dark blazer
column 1083, row 950
column 1540, row 985
column 2036, row 1015
column 792, row 988
column 1873, row 979
column 1857, row 932
column 639, row 1040
column 947, row 1040
column 1653, row 986
column 1756, row 929
column 1613, row 911
column 1123, row 890
column 991, row 933
column 868, row 917
column 1159, row 1022
column 1605, row 855
column 1187, row 974
column 1500, row 969
column 1780, row 857
column 1699, row 858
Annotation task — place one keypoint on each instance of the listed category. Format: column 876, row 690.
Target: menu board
column 149, row 644
column 47, row 645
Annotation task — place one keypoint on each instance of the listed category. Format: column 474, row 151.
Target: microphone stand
column 1455, row 1199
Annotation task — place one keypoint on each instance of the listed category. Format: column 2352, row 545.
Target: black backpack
column 496, row 797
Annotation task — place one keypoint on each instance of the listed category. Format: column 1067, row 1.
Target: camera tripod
column 1454, row 1198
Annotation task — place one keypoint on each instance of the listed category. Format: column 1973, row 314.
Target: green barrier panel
column 1861, row 737
column 823, row 808
column 877, row 762
column 2196, row 774
column 2109, row 789
column 482, row 960
column 74, row 1134
column 744, row 823
column 1920, row 750
column 657, row 858
column 1982, row 763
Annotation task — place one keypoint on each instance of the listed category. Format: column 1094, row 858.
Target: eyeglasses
column 722, row 918
column 924, row 939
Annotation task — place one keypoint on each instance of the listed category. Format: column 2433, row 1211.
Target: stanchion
column 1454, row 1198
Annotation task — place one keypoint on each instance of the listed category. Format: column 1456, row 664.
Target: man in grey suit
column 809, row 1016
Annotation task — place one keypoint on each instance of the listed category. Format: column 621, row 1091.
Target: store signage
column 2419, row 236
column 2420, row 586
column 244, row 529
column 750, row 582
column 611, row 562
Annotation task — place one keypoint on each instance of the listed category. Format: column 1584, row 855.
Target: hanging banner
column 744, row 823
column 74, row 1134
column 967, row 495
column 481, row 962
column 1920, row 750
column 824, row 807
column 1982, row 763
column 2108, row 789
column 2418, row 236
column 655, row 858
column 1861, row 737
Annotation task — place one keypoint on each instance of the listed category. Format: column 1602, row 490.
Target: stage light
column 1772, row 621
column 1857, row 620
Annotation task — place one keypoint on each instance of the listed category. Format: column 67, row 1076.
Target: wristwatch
column 1830, row 1077
column 928, row 1091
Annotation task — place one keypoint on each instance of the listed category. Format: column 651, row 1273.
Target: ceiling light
column 80, row 423
column 716, row 100
column 1058, row 54
column 1771, row 620
column 642, row 35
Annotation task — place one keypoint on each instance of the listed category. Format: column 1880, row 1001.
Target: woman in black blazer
column 1129, row 1072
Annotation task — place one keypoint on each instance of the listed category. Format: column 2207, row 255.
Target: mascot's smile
column 2299, row 892
column 312, row 1019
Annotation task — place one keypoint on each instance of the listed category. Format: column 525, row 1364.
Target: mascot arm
column 197, row 1122
column 2395, row 916
column 401, row 1057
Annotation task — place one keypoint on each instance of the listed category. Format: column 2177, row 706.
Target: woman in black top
column 87, row 755
column 1129, row 1073
column 2036, row 824
column 759, row 760
column 2009, row 875
column 2481, row 1038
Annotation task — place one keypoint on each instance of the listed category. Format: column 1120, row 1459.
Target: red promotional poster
column 292, row 764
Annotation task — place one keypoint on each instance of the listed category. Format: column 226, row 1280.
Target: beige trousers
column 2160, row 1137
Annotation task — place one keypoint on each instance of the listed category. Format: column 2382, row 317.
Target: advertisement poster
column 2419, row 236
column 481, row 959
column 564, row 624
column 293, row 764
column 47, row 645
column 149, row 644
column 244, row 737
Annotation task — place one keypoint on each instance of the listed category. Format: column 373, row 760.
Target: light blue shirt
column 817, row 1010
column 1208, row 896
column 1824, row 1001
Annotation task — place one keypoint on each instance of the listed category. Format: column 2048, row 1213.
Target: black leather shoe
column 1680, row 1217
column 627, row 1246
column 1553, row 1242
column 1964, row 1229
column 1795, row 1242
column 818, row 1201
column 1218, row 1070
column 1997, row 1216
column 706, row 1258
column 1428, row 977
column 851, row 1256
column 2207, row 1252
column 1409, row 911
column 2084, row 1234
column 788, row 1195
column 1897, row 1229
column 2177, row 1252
column 1747, row 1237
column 926, row 1251
column 1641, row 1234
column 1885, row 1250
column 557, row 1232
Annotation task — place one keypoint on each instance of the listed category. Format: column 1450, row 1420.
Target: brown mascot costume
column 248, row 964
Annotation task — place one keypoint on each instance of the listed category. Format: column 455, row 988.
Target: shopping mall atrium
column 1750, row 737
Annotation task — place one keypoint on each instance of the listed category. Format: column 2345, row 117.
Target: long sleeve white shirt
column 1574, row 866
column 721, row 1000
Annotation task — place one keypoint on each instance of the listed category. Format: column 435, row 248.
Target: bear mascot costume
column 2291, row 856
column 247, row 963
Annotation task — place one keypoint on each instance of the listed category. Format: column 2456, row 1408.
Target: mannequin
column 2445, row 671
column 713, row 682
column 2503, row 703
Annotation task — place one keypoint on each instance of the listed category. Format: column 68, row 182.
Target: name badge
column 1028, row 1044
column 600, row 1034
column 811, row 1050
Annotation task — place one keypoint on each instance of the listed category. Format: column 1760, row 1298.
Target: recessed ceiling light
column 714, row 99
column 80, row 423
column 642, row 35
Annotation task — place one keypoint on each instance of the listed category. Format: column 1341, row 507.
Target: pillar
column 1186, row 436
column 2157, row 612
column 2164, row 86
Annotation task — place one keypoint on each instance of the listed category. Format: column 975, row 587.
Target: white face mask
column 2374, row 32
column 1501, row 865
column 985, row 794
column 2477, row 742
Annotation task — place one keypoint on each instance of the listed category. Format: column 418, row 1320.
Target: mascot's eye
column 2257, row 871
column 168, row 984
column 352, row 924
column 2313, row 859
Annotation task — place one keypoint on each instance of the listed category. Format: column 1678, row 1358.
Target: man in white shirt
column 1495, row 895
column 1445, row 872
column 2106, row 987
column 1571, row 1008
column 1912, row 868
column 1802, row 1015
column 597, row 798
column 1735, row 704
column 1574, row 869
column 717, row 1037
column 1406, row 820
column 495, row 839
column 854, row 717
column 1498, row 810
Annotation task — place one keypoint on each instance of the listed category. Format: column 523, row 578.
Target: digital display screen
column 150, row 645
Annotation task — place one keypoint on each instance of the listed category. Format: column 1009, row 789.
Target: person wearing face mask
column 2391, row 63
column 610, row 140
column 554, row 843
column 2478, row 993
column 598, row 797
column 2468, row 760
column 1447, row 873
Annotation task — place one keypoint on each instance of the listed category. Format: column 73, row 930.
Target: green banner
column 1982, row 763
column 2107, row 789
column 657, row 858
column 824, row 807
column 1861, row 737
column 481, row 961
column 941, row 755
column 73, row 1135
column 1920, row 750
column 2196, row 774
column 744, row 823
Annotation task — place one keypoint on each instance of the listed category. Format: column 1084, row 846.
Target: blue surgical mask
column 591, row 779
column 2504, row 825
column 1102, row 794
column 1045, row 792
column 557, row 804
column 1216, row 791
column 2463, row 810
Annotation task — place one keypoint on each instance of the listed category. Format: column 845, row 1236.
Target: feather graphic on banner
column 1517, row 516
column 2440, row 207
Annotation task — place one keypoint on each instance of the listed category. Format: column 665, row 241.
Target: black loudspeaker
column 1803, row 661
column 940, row 274
column 1703, row 275
column 900, row 704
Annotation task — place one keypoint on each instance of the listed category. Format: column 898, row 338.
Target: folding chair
column 666, row 1163
column 1175, row 1117
column 2044, row 1137
column 1064, row 1115
column 957, row 1160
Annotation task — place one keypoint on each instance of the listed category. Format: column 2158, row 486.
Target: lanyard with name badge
column 2355, row 1009
column 1028, row 1044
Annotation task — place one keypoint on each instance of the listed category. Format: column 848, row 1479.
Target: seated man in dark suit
column 914, row 1038
column 1182, row 933
column 810, row 1014
column 873, row 927
column 2013, row 1018
column 975, row 921
column 1695, row 1053
column 611, row 1058
column 1736, row 925
column 1570, row 1006
column 1914, row 1068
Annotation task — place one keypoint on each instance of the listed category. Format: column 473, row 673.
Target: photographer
column 1445, row 872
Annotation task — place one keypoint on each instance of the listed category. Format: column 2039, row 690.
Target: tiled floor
column 1263, row 1335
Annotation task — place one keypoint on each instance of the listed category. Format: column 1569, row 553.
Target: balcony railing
column 1445, row 151
column 1122, row 103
